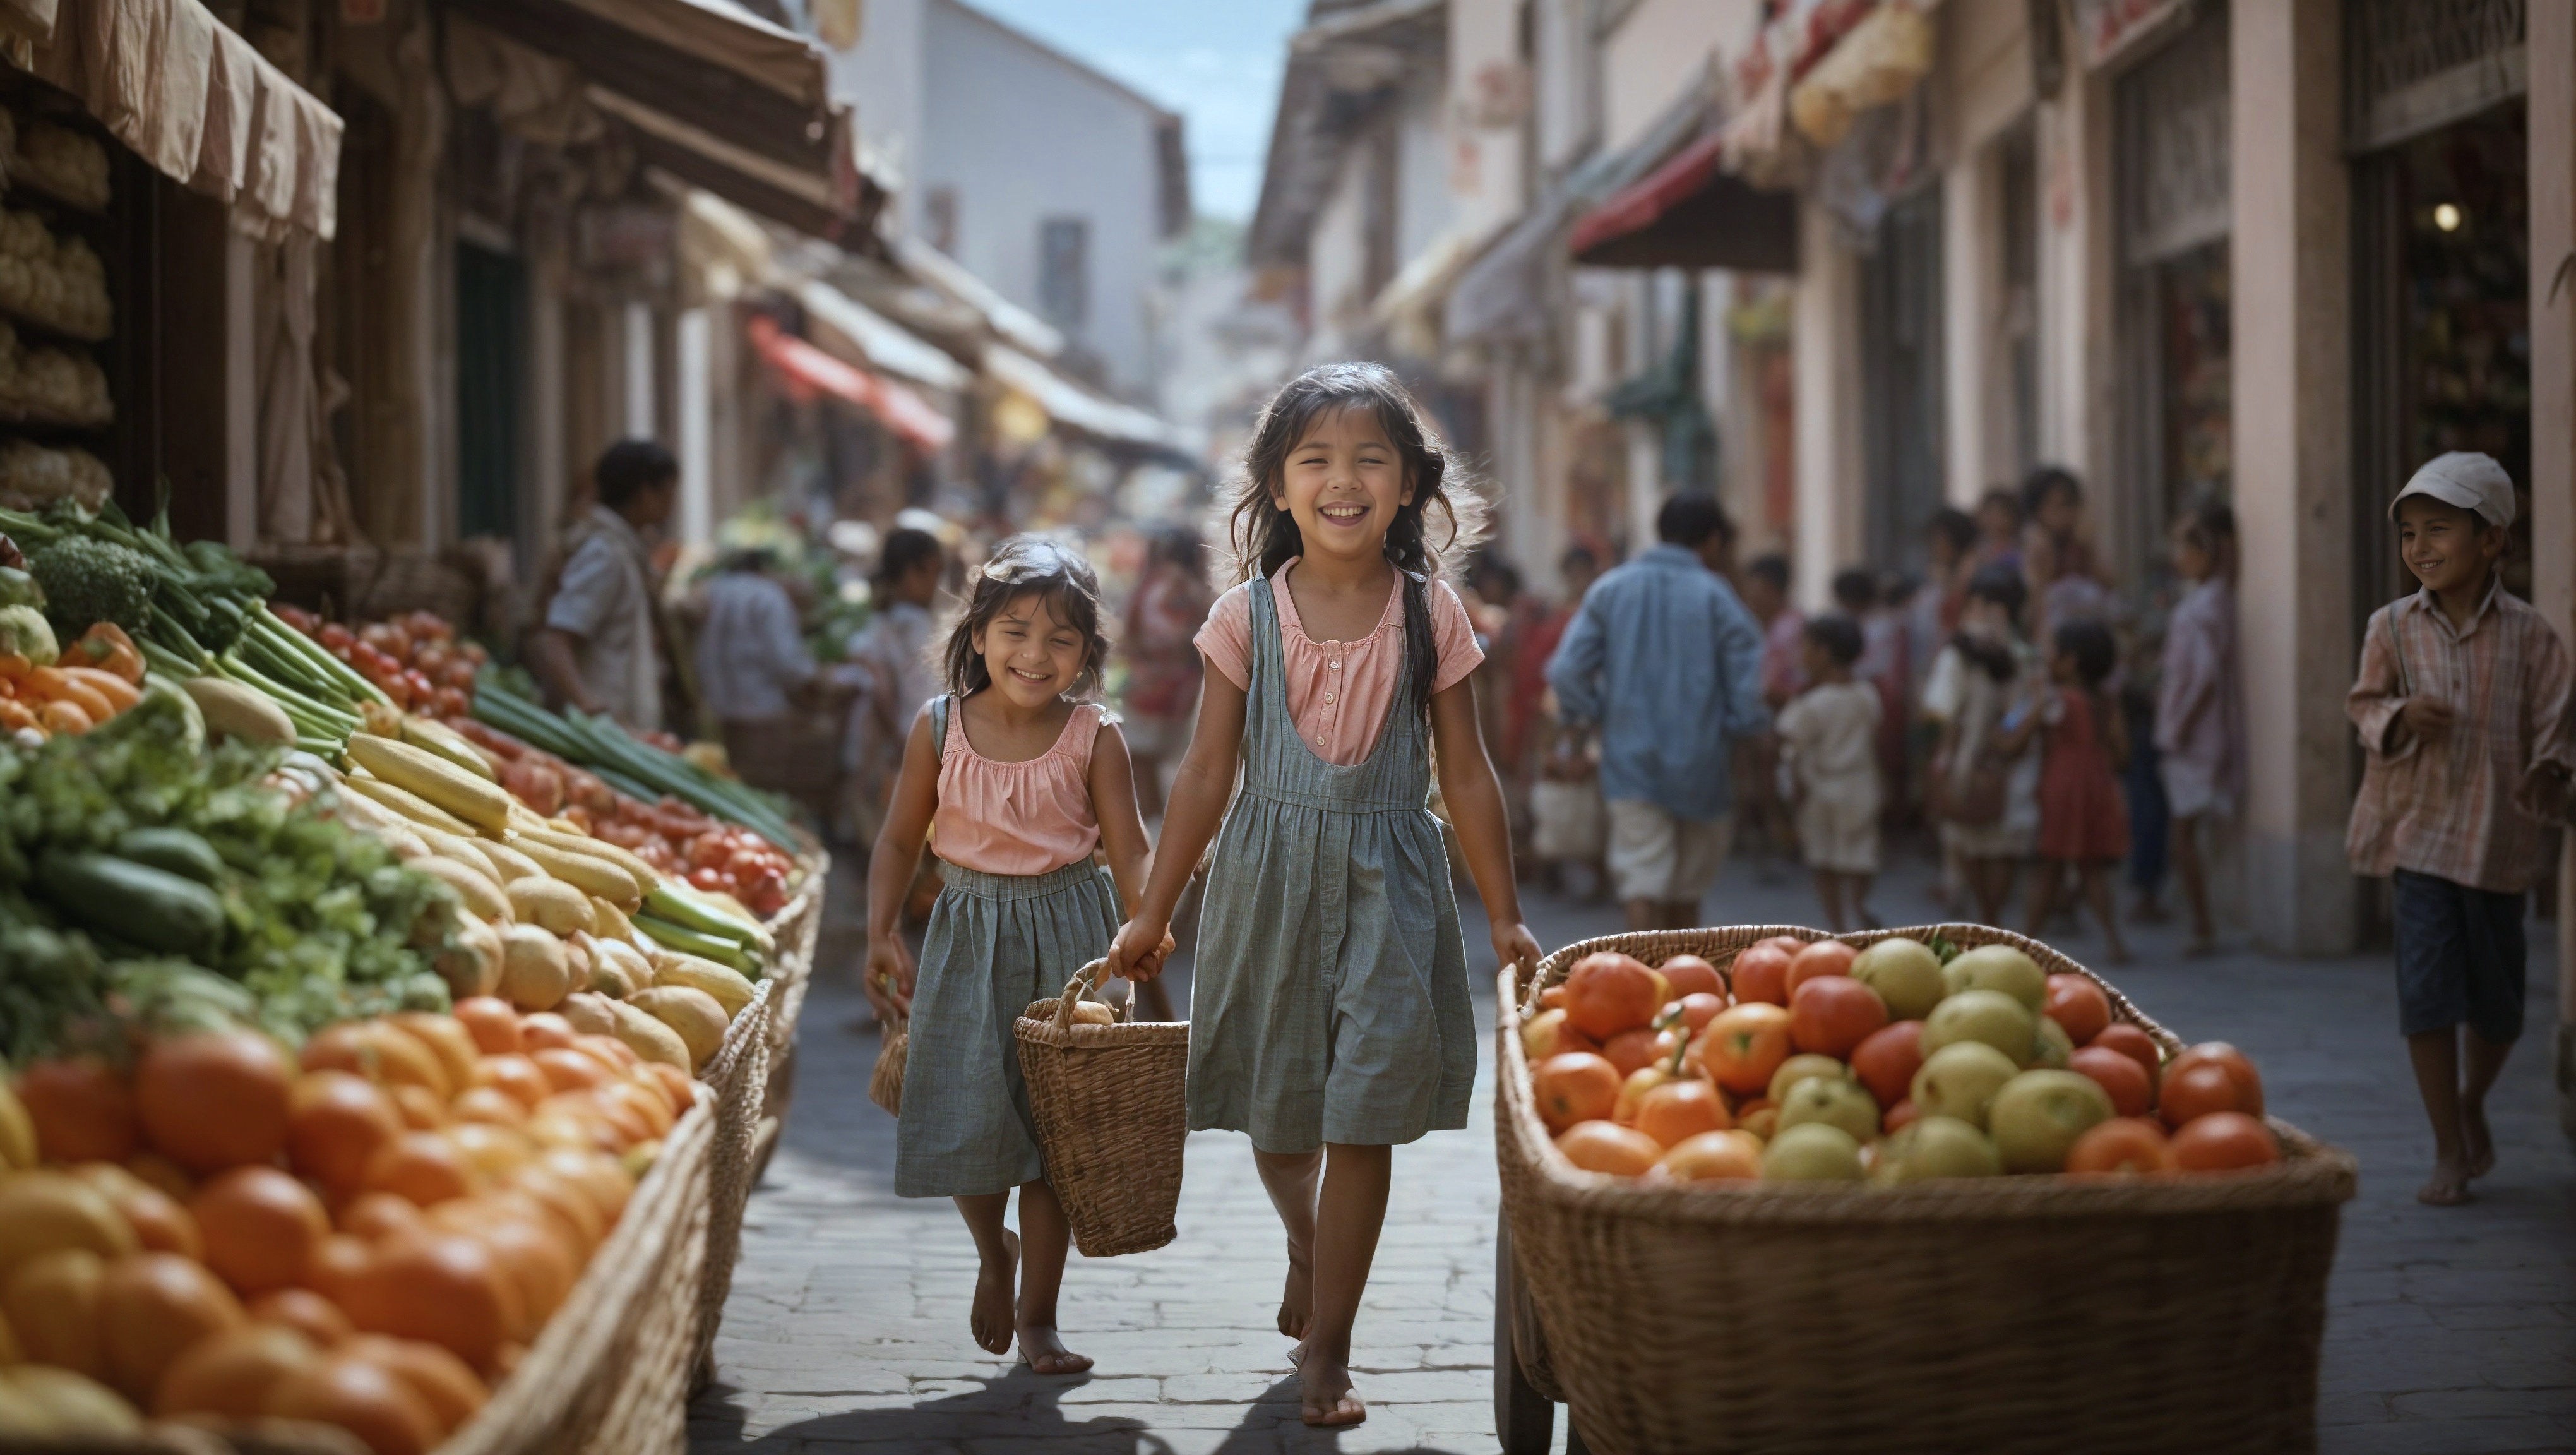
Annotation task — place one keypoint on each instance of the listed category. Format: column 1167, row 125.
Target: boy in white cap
column 2462, row 706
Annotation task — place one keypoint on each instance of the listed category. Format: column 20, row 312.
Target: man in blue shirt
column 1666, row 662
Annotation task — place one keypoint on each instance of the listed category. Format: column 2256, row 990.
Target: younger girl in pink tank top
column 1014, row 782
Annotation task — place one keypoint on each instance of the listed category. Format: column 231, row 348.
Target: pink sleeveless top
column 1024, row 818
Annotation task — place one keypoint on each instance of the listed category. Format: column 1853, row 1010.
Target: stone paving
column 2450, row 1330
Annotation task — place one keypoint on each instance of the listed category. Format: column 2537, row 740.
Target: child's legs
column 2460, row 963
column 2045, row 876
column 1045, row 1234
column 1348, row 1216
column 1990, row 880
column 2097, row 893
column 1829, row 895
column 2184, row 843
column 993, row 1317
column 1291, row 1179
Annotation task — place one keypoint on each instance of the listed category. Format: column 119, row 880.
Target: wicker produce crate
column 2000, row 1314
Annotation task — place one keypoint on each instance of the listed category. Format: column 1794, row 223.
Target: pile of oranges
column 1901, row 1062
column 367, row 1235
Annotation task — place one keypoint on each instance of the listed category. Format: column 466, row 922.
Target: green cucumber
column 151, row 907
column 176, row 850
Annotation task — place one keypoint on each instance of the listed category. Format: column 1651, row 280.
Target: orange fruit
column 1598, row 1146
column 534, row 1253
column 447, row 1039
column 306, row 1312
column 2224, row 1141
column 232, row 1371
column 261, row 1228
column 1608, row 993
column 164, row 1174
column 677, row 1087
column 612, row 1052
column 2124, row 1144
column 1676, row 1111
column 1830, row 1014
column 1630, row 1051
column 152, row 1307
column 1691, row 975
column 515, row 1074
column 1699, row 1008
column 51, row 1303
column 2078, row 1006
column 1577, row 1086
column 645, row 1098
column 362, row 1397
column 603, row 1177
column 425, row 1168
column 452, row 1391
column 1761, row 973
column 546, row 1031
column 1824, row 957
column 403, row 1058
column 336, row 1123
column 443, row 1287
column 213, row 1100
column 422, row 1109
column 489, row 1104
column 495, row 1152
column 491, row 1022
column 374, row 1217
column 567, row 1069
column 1720, row 1156
column 575, row 1213
column 160, row 1222
column 1743, row 1046
column 335, row 1266
column 81, row 1109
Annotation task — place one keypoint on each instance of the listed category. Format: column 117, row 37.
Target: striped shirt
column 2457, row 809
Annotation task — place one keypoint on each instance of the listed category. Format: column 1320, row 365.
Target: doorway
column 1900, row 293
column 491, row 327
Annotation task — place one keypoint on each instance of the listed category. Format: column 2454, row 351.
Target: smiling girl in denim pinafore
column 1330, row 1015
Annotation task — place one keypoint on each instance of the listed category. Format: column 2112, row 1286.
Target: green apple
column 2052, row 1045
column 1981, row 1015
column 1812, row 1152
column 2039, row 1114
column 1939, row 1147
column 1836, row 1101
column 1905, row 973
column 1999, row 967
column 1799, row 1068
column 1960, row 1080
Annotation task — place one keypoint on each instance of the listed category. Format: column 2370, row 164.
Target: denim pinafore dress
column 1329, row 1000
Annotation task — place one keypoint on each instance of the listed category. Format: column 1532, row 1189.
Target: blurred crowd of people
column 2009, row 704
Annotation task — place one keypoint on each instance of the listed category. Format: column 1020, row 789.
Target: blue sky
column 1216, row 62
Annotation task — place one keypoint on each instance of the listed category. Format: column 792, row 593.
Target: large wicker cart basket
column 1997, row 1314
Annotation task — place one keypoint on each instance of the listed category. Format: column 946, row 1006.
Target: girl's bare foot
column 2479, row 1143
column 1042, row 1349
column 2449, row 1187
column 1326, row 1400
column 996, row 1296
column 1299, row 1295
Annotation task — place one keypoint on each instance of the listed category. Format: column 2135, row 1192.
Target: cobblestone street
column 2450, row 1330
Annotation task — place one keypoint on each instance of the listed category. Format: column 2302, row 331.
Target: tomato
column 1609, row 993
column 1824, row 957
column 2134, row 1043
column 2122, row 1144
column 709, row 851
column 2192, row 1092
column 2079, row 1006
column 2132, row 1094
column 1762, row 974
column 2224, row 1141
column 1741, row 1048
column 711, row 881
column 2249, row 1085
column 339, row 639
column 1575, row 1087
column 1886, row 1060
column 1630, row 1051
column 1685, row 973
column 1830, row 1014
column 1901, row 1115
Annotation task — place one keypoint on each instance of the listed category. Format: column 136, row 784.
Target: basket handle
column 1086, row 978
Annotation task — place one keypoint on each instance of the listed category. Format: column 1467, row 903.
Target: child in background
column 1331, row 1016
column 2082, row 823
column 1760, row 811
column 2200, row 705
column 2462, row 707
column 1829, row 769
column 1882, row 666
column 1999, row 519
column 1984, row 785
column 2066, row 579
column 1023, row 777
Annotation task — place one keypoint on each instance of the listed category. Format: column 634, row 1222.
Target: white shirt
column 606, row 601
column 750, row 653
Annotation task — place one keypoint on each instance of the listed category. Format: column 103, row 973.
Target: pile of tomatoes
column 415, row 658
column 369, row 1235
column 1817, row 1061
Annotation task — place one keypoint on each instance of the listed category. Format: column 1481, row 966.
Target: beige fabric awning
column 192, row 98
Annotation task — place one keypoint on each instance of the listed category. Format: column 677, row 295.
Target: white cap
column 2467, row 479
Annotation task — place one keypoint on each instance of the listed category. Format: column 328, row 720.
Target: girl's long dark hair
column 1263, row 536
column 1028, row 565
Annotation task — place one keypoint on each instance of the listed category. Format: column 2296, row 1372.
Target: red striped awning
column 808, row 373
column 1689, row 213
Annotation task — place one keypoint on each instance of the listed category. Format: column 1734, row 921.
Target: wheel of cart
column 1524, row 1413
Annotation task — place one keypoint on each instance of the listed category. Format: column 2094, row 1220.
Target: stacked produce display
column 337, row 1042
column 1897, row 1063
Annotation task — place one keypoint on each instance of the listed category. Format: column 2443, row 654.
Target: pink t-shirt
column 1030, row 817
column 1339, row 693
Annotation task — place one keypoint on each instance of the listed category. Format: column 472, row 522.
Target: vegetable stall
column 388, row 1055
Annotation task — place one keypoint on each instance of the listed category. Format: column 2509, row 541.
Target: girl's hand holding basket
column 1141, row 948
column 888, row 976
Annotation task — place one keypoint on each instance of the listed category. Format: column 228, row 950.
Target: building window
column 939, row 219
column 1064, row 271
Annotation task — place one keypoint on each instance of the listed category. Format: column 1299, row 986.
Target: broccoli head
column 88, row 581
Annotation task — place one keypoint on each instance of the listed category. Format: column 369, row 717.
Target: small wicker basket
column 1111, row 1116
column 1992, row 1314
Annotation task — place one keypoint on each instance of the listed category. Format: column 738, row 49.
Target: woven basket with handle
column 1988, row 1314
column 1111, row 1115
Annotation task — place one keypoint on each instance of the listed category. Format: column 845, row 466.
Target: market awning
column 1068, row 404
column 1688, row 213
column 809, row 373
column 1022, row 329
column 847, row 327
column 818, row 202
column 193, row 99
